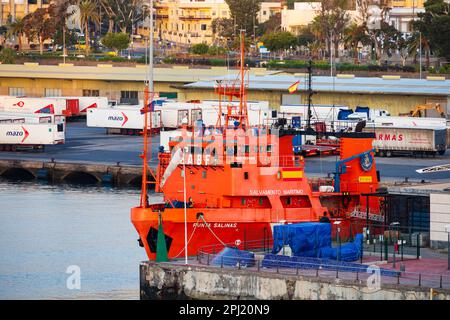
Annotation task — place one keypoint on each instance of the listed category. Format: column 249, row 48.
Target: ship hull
column 206, row 237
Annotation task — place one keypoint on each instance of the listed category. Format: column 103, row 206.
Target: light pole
column 394, row 225
column 338, row 255
column 447, row 229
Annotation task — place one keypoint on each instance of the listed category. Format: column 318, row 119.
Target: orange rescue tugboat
column 229, row 185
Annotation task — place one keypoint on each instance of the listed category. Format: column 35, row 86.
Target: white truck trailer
column 86, row 103
column 390, row 141
column 123, row 119
column 30, row 131
column 174, row 114
column 58, row 106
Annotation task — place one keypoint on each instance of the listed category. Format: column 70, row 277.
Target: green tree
column 16, row 28
column 8, row 56
column 270, row 26
column 88, row 13
column 434, row 24
column 244, row 14
column 39, row 25
column 330, row 22
column 199, row 48
column 116, row 41
column 279, row 41
column 353, row 36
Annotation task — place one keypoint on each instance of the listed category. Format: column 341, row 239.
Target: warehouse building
column 392, row 93
column 125, row 84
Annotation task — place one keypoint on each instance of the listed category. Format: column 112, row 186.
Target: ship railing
column 361, row 274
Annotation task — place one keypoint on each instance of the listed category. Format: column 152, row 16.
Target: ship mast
column 148, row 98
column 310, row 94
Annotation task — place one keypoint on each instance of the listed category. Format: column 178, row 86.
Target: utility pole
column 310, row 94
column 420, row 55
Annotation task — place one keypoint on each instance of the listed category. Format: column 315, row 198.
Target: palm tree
column 88, row 13
column 414, row 46
column 353, row 35
column 16, row 28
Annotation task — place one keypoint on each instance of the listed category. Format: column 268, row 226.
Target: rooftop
column 367, row 85
column 177, row 74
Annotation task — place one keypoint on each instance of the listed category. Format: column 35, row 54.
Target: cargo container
column 174, row 114
column 58, row 106
column 318, row 112
column 391, row 141
column 89, row 102
column 122, row 119
column 29, row 135
column 9, row 117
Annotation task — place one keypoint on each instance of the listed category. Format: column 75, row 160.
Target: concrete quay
column 58, row 172
column 174, row 281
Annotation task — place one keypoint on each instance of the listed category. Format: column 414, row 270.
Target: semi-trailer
column 390, row 141
column 59, row 105
column 30, row 131
column 123, row 119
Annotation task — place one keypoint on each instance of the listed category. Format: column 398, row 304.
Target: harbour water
column 46, row 229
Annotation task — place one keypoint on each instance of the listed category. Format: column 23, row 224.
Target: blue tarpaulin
column 305, row 239
column 232, row 256
column 348, row 252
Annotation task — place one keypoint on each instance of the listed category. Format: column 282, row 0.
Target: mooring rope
column 223, row 243
column 190, row 237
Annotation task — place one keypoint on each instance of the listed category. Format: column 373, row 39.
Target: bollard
column 207, row 259
column 239, row 264
column 337, row 272
column 418, row 246
column 386, row 250
column 398, row 278
column 296, row 271
column 257, row 265
column 317, row 272
column 420, row 279
column 221, row 262
column 440, row 282
column 357, row 275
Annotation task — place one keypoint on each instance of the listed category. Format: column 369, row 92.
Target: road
column 94, row 145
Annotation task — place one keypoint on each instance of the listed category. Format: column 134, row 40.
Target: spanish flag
column 293, row 87
column 291, row 174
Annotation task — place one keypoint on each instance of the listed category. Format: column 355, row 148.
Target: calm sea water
column 44, row 229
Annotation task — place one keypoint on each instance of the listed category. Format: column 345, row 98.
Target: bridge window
column 204, row 174
column 246, row 175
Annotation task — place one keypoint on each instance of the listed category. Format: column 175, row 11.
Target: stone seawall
column 171, row 281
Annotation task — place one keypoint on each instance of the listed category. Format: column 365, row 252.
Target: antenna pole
column 148, row 96
column 310, row 94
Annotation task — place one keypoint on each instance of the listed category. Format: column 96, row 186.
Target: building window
column 16, row 92
column 129, row 97
column 51, row 92
column 264, row 13
column 203, row 26
column 91, row 93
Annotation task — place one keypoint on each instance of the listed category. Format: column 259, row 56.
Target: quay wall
column 56, row 172
column 171, row 281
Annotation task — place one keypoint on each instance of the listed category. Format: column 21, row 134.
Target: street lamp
column 447, row 229
column 337, row 223
column 394, row 224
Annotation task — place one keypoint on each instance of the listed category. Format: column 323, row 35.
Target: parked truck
column 30, row 131
column 123, row 119
column 390, row 141
column 58, row 106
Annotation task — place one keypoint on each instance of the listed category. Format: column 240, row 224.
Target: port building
column 125, row 84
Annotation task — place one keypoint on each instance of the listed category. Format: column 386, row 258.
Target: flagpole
column 185, row 210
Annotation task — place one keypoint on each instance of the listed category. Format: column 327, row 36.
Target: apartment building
column 13, row 9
